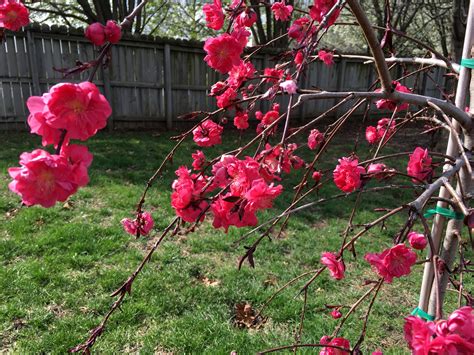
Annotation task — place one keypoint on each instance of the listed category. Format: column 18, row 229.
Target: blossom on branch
column 99, row 34
column 223, row 52
column 282, row 11
column 390, row 104
column 326, row 57
column 214, row 15
column 347, row 175
column 315, row 138
column 340, row 342
column 321, row 8
column 142, row 225
column 208, row 134
column 419, row 165
column 13, row 15
column 336, row 267
column 417, row 240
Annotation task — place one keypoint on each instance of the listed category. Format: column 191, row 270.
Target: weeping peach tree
column 230, row 190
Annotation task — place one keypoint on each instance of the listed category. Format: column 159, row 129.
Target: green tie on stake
column 468, row 63
column 444, row 212
column 422, row 314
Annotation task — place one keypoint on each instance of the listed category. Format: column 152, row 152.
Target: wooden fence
column 151, row 81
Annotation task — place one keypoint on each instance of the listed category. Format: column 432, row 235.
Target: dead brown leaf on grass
column 246, row 317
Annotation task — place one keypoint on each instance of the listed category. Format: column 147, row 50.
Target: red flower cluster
column 275, row 160
column 390, row 104
column 268, row 118
column 281, row 11
column 250, row 190
column 13, row 15
column 44, row 178
column 419, row 165
column 99, row 34
column 393, row 262
column 141, row 225
column 452, row 336
column 321, row 8
column 347, row 175
column 375, row 134
column 80, row 109
column 223, row 51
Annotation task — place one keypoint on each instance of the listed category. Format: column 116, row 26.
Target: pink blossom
column 299, row 28
column 260, row 195
column 336, row 267
column 43, row 178
column 80, row 109
column 417, row 240
column 299, row 58
column 225, row 100
column 240, row 73
column 340, row 342
column 218, row 88
column 141, row 225
column 282, row 11
column 336, row 313
column 99, row 34
column 113, row 32
column 326, row 57
column 321, row 8
column 246, row 18
column 390, row 104
column 347, row 174
column 241, row 120
column 228, row 214
column 208, row 134
column 376, row 170
column 419, row 165
column 371, row 135
column 384, row 125
column 199, row 159
column 461, row 322
column 223, row 52
column 449, row 344
column 79, row 159
column 241, row 35
column 418, row 333
column 13, row 15
column 377, row 352
column 315, row 138
column 289, row 86
column 393, row 262
column 214, row 15
column 317, row 177
column 273, row 75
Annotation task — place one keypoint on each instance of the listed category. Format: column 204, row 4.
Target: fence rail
column 151, row 81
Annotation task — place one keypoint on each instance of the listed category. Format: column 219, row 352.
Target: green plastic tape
column 422, row 314
column 468, row 63
column 443, row 212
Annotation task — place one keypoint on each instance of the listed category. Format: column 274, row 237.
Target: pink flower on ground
column 321, row 8
column 340, row 342
column 419, row 165
column 208, row 134
column 326, row 57
column 42, row 179
column 199, row 159
column 336, row 267
column 282, row 11
column 260, row 195
column 347, row 174
column 393, row 262
column 214, row 15
column 390, row 104
column 315, row 138
column 223, row 52
column 417, row 240
column 80, row 109
column 13, row 15
column 141, row 225
column 289, row 86
column 241, row 120
column 336, row 314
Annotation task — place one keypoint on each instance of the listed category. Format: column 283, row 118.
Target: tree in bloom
column 208, row 134
column 223, row 52
column 393, row 262
column 214, row 15
column 419, row 165
column 99, row 34
column 281, row 11
column 142, row 225
column 336, row 267
column 79, row 109
column 13, row 15
column 347, row 175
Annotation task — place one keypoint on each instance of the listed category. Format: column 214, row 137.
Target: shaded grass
column 59, row 265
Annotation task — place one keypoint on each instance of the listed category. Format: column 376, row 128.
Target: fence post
column 168, row 92
column 32, row 61
column 108, row 94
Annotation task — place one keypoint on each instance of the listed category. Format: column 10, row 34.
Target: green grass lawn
column 59, row 265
